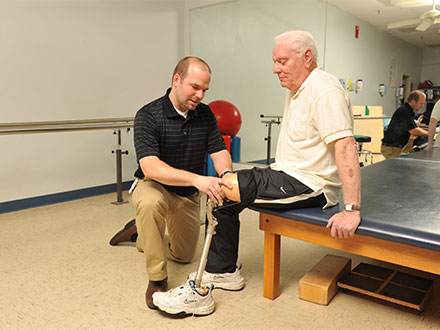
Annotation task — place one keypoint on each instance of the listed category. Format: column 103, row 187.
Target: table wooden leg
column 272, row 244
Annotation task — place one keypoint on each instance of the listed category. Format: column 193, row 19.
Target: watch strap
column 351, row 207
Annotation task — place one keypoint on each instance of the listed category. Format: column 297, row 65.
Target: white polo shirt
column 436, row 114
column 318, row 114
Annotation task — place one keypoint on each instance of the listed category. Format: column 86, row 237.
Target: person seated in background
column 402, row 130
column 435, row 117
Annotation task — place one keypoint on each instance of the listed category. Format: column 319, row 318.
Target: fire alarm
column 356, row 31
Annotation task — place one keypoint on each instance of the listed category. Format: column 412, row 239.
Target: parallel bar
column 265, row 116
column 63, row 128
column 76, row 125
column 367, row 117
column 64, row 122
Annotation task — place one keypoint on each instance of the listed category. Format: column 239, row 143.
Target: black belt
column 393, row 145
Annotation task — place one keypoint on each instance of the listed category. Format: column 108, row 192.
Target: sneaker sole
column 226, row 286
column 200, row 311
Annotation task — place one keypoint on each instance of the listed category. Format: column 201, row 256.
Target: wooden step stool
column 319, row 285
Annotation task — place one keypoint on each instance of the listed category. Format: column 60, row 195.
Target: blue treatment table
column 400, row 219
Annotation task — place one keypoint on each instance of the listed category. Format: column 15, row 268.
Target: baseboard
column 27, row 203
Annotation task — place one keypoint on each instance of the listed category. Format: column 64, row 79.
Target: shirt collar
column 171, row 112
column 409, row 107
column 306, row 82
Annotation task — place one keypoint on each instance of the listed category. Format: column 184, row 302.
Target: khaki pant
column 157, row 209
column 389, row 152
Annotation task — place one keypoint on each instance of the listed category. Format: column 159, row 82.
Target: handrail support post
column 119, row 152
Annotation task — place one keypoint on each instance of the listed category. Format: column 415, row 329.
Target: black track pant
column 256, row 185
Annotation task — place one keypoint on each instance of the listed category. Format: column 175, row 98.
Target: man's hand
column 155, row 169
column 211, row 186
column 344, row 224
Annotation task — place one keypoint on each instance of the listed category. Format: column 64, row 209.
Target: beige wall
column 236, row 39
column 431, row 65
column 66, row 59
column 63, row 60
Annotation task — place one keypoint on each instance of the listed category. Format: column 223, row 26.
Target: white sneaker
column 227, row 281
column 185, row 299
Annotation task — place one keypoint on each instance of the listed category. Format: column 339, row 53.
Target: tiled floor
column 57, row 271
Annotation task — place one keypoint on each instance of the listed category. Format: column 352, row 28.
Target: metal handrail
column 356, row 117
column 66, row 122
column 66, row 125
column 78, row 125
column 60, row 129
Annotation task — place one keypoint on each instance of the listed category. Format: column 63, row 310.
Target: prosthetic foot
column 192, row 298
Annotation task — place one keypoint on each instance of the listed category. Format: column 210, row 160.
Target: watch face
column 351, row 207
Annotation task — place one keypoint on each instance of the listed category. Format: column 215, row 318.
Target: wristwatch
column 224, row 173
column 351, row 207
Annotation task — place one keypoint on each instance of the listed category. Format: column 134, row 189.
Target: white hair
column 299, row 41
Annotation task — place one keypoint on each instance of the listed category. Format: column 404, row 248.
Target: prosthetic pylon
column 210, row 231
column 192, row 298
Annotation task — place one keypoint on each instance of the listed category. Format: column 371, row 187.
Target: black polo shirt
column 401, row 123
column 181, row 143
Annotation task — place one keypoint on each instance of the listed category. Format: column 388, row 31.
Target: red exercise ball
column 228, row 117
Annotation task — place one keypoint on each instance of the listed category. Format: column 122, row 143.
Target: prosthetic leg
column 192, row 297
column 231, row 194
column 210, row 231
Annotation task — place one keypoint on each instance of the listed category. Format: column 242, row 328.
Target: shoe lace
column 188, row 289
column 180, row 290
